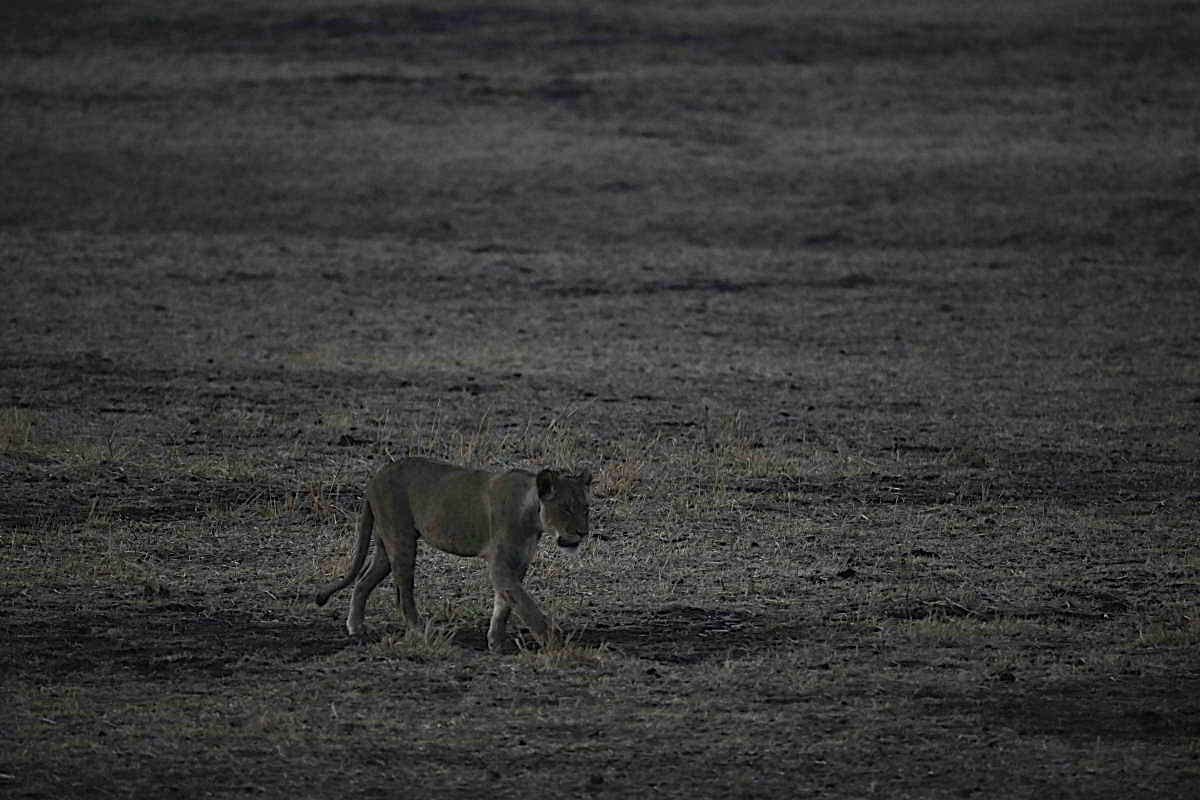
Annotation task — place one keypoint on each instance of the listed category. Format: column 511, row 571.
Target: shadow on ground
column 689, row 635
column 155, row 637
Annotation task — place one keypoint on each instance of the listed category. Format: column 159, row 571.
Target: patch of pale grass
column 489, row 444
column 36, row 714
column 558, row 444
column 319, row 500
column 16, row 430
column 226, row 466
column 248, row 420
column 275, row 723
column 820, row 462
column 107, row 448
column 455, row 612
column 126, row 559
column 476, row 447
column 732, row 452
column 563, row 653
column 324, row 356
column 99, row 551
column 431, row 642
column 965, row 631
column 484, row 442
column 1180, row 629
column 288, row 505
column 620, row 479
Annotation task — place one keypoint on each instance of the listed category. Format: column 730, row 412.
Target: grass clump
column 966, row 631
column 1182, row 628
column 430, row 643
column 16, row 430
column 564, row 652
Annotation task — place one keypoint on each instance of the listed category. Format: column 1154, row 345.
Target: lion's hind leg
column 501, row 611
column 404, row 558
column 367, row 581
column 397, row 537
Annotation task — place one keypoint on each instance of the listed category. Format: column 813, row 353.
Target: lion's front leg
column 510, row 594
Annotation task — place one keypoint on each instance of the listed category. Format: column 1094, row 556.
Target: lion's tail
column 366, row 525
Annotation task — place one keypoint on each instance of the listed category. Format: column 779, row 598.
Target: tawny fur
column 497, row 516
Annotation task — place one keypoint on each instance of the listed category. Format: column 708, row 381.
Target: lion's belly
column 459, row 535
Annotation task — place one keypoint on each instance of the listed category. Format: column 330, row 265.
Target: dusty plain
column 876, row 321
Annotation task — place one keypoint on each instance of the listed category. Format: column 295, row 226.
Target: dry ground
column 876, row 321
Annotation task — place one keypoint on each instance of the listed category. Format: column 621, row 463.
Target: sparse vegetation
column 876, row 322
column 16, row 430
column 428, row 644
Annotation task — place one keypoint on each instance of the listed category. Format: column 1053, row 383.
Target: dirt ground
column 876, row 323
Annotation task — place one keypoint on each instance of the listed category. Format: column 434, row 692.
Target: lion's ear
column 585, row 478
column 545, row 483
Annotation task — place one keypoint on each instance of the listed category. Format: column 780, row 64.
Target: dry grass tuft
column 485, row 444
column 1181, row 628
column 564, row 652
column 16, row 430
column 965, row 631
column 432, row 642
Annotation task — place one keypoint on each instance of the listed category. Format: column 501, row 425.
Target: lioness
column 496, row 516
